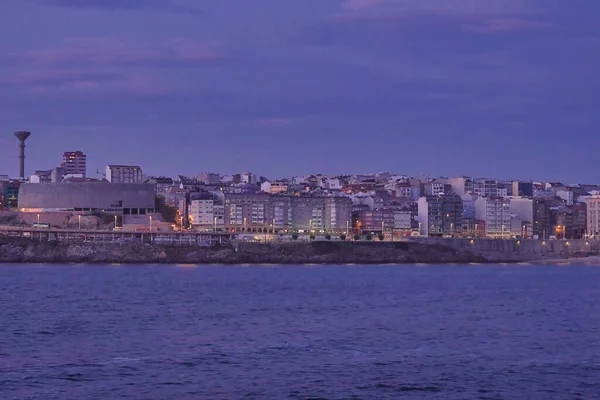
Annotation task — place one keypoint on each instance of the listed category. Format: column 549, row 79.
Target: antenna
column 22, row 136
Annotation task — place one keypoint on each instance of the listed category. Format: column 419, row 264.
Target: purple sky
column 500, row 88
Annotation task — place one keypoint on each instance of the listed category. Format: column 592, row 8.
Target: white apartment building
column 593, row 215
column 495, row 211
column 202, row 212
column 124, row 174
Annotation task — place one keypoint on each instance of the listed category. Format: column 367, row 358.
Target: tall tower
column 22, row 136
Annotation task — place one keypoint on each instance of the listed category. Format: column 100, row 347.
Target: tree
column 356, row 236
column 312, row 237
column 168, row 213
column 343, row 237
column 295, row 236
column 369, row 237
column 328, row 237
column 381, row 236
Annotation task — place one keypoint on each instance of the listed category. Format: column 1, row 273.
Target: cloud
column 504, row 25
column 130, row 5
column 83, row 82
column 107, row 65
column 273, row 122
column 111, row 52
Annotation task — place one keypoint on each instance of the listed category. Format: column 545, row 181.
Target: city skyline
column 505, row 89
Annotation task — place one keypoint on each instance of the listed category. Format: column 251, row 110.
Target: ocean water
column 299, row 332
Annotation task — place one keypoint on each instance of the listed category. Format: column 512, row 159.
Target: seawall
column 18, row 250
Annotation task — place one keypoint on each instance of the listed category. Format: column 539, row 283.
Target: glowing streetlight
column 115, row 222
column 151, row 223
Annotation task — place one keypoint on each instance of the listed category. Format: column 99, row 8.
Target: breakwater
column 21, row 250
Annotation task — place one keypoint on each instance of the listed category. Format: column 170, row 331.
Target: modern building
column 440, row 215
column 542, row 218
column 74, row 163
column 124, row 174
column 520, row 188
column 118, row 198
column 495, row 211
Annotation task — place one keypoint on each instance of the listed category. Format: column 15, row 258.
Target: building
column 436, row 188
column 10, row 194
column 209, row 178
column 461, row 185
column 74, row 163
column 522, row 208
column 524, row 189
column 118, row 198
column 495, row 211
column 338, row 214
column 440, row 215
column 201, row 210
column 485, row 187
column 566, row 195
column 247, row 211
column 124, row 174
column 274, row 187
column 593, row 215
column 542, row 218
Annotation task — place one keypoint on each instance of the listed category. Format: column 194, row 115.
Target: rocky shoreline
column 27, row 251
column 318, row 252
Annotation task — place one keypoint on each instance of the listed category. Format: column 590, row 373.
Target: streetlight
column 245, row 220
column 451, row 229
column 502, row 232
column 151, row 223
column 38, row 219
column 79, row 218
column 115, row 222
column 347, row 228
column 420, row 229
column 273, row 226
column 310, row 225
column 215, row 224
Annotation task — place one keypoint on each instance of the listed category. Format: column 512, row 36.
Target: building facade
column 495, row 211
column 124, row 174
column 593, row 216
column 74, row 163
column 440, row 216
column 121, row 198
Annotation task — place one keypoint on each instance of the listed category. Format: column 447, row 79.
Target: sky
column 506, row 89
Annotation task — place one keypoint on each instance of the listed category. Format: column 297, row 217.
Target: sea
column 299, row 332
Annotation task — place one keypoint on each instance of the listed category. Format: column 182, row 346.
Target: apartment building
column 440, row 215
column 485, row 187
column 495, row 211
column 124, row 174
column 74, row 163
column 247, row 211
column 593, row 215
column 201, row 211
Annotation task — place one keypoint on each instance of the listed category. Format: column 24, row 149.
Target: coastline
column 317, row 252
